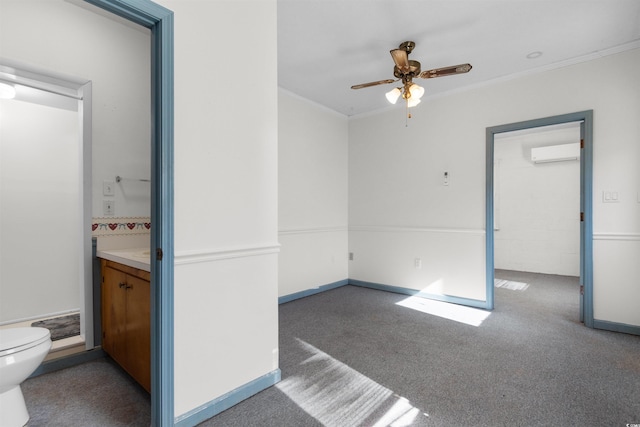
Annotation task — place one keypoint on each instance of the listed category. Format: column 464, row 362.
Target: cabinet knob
column 128, row 286
column 122, row 285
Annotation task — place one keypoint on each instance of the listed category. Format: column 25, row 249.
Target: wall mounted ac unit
column 556, row 153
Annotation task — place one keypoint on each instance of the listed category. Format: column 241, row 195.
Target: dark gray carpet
column 354, row 357
column 94, row 394
column 61, row 327
column 530, row 363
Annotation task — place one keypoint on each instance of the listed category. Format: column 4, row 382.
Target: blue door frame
column 586, row 204
column 160, row 21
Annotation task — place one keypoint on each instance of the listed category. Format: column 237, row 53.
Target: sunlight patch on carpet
column 337, row 395
column 509, row 284
column 458, row 313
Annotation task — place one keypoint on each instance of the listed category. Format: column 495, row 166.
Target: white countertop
column 139, row 258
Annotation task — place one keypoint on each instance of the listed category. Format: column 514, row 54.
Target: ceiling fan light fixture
column 393, row 95
column 405, row 70
column 412, row 102
column 416, row 91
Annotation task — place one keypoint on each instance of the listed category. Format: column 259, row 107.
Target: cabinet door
column 114, row 308
column 139, row 330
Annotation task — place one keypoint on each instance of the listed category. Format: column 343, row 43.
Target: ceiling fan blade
column 379, row 82
column 446, row 71
column 401, row 58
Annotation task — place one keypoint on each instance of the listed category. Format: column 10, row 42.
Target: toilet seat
column 13, row 340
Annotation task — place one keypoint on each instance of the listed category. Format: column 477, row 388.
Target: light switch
column 610, row 196
column 445, row 178
column 108, row 188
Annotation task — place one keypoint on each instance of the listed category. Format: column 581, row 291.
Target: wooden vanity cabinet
column 126, row 319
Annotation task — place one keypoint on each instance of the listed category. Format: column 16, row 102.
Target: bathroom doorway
column 160, row 22
column 83, row 44
column 133, row 17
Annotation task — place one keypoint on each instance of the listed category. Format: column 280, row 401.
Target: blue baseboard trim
column 312, row 291
column 616, row 327
column 413, row 292
column 387, row 288
column 227, row 400
column 68, row 361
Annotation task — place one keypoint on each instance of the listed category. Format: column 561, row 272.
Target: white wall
column 395, row 180
column 536, row 205
column 399, row 209
column 40, row 164
column 226, row 219
column 72, row 39
column 312, row 194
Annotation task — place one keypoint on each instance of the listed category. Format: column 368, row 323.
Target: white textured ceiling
column 326, row 46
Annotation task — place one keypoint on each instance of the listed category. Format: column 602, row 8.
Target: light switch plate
column 609, row 196
column 108, row 188
column 108, row 207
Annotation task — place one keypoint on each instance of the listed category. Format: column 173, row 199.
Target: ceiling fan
column 406, row 70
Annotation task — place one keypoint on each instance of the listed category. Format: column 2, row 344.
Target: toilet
column 21, row 352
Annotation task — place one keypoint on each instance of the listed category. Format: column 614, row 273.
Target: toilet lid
column 17, row 339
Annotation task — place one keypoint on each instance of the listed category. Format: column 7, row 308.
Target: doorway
column 160, row 21
column 585, row 122
column 536, row 226
column 45, row 198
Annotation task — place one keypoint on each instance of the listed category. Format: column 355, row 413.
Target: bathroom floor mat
column 61, row 327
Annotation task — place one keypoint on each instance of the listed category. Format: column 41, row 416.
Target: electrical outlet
column 350, row 256
column 108, row 207
column 417, row 263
